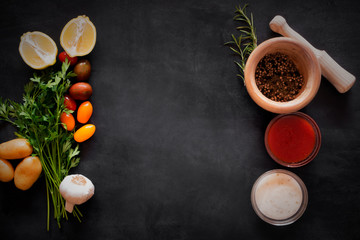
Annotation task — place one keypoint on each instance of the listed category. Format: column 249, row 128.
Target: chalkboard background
column 179, row 142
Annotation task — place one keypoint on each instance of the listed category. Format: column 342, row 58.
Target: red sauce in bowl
column 292, row 140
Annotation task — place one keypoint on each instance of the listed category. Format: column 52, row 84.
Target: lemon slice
column 78, row 37
column 37, row 50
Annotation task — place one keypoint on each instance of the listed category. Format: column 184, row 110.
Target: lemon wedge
column 37, row 50
column 78, row 37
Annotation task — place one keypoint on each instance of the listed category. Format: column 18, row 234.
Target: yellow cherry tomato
column 84, row 112
column 84, row 133
column 69, row 120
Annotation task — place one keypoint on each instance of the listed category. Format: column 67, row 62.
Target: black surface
column 179, row 142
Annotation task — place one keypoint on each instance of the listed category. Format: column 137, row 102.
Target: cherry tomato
column 84, row 112
column 69, row 120
column 84, row 133
column 80, row 91
column 82, row 70
column 71, row 60
column 69, row 102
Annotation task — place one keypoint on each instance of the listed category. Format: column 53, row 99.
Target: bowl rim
column 303, row 99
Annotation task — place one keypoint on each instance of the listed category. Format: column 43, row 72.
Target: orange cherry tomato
column 84, row 112
column 84, row 133
column 69, row 120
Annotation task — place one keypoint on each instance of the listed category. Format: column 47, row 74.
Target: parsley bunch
column 37, row 119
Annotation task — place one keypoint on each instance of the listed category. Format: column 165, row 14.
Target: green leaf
column 246, row 33
column 234, row 50
column 25, row 114
column 35, row 78
column 74, row 152
column 3, row 109
column 74, row 162
column 66, row 146
column 229, row 43
column 247, row 40
column 29, row 87
column 71, row 74
column 242, row 27
column 239, row 65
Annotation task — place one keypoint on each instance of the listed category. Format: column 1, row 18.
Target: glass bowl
column 314, row 151
column 276, row 191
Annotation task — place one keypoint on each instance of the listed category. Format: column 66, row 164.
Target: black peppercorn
column 278, row 78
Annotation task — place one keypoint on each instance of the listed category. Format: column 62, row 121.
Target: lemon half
column 38, row 50
column 78, row 37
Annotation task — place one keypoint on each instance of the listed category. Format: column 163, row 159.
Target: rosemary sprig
column 246, row 42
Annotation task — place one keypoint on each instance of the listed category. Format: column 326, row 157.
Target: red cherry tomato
column 81, row 91
column 84, row 112
column 84, row 133
column 69, row 120
column 71, row 60
column 69, row 102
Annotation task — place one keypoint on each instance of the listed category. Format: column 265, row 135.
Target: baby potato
column 15, row 149
column 6, row 171
column 27, row 172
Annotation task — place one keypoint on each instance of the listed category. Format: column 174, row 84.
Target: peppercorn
column 278, row 78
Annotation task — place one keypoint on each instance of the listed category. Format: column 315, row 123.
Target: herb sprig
column 247, row 40
column 37, row 119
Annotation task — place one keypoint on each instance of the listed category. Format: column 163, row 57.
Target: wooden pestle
column 331, row 70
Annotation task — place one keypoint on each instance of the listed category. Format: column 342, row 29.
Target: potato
column 15, row 149
column 6, row 171
column 27, row 172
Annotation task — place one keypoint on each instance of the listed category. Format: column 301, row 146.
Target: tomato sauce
column 291, row 138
